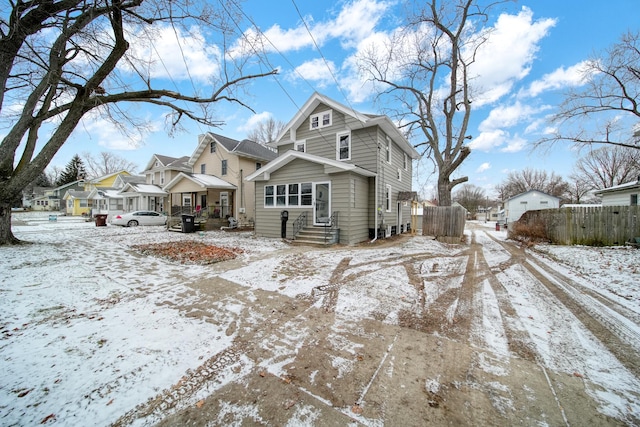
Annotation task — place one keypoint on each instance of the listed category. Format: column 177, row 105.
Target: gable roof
column 530, row 192
column 74, row 194
column 179, row 163
column 201, row 180
column 147, row 189
column 633, row 185
column 366, row 120
column 330, row 166
column 105, row 177
column 244, row 148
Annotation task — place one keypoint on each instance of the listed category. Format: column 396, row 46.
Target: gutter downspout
column 375, row 208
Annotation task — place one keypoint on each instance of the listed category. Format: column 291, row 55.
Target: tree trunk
column 444, row 192
column 6, row 236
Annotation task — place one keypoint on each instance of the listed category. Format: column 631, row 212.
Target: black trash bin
column 188, row 224
column 101, row 220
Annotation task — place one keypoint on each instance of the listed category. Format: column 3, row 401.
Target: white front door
column 322, row 203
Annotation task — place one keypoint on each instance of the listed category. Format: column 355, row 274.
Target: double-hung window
column 343, row 146
column 203, row 168
column 224, row 167
column 388, row 150
column 212, row 147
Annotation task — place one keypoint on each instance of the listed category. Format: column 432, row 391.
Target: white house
column 531, row 200
column 620, row 195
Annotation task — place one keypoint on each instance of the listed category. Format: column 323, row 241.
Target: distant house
column 620, row 195
column 336, row 168
column 150, row 194
column 530, row 200
column 215, row 186
column 77, row 202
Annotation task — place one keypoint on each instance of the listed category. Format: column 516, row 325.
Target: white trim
column 388, row 195
column 339, row 135
column 321, row 117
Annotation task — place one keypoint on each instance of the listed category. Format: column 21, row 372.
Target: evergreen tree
column 72, row 172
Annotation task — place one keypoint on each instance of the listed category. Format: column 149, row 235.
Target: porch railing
column 331, row 226
column 299, row 224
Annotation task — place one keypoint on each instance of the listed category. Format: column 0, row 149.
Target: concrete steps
column 316, row 236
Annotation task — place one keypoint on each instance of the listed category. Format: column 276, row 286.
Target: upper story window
column 301, row 146
column 212, row 147
column 399, row 174
column 634, row 200
column 157, row 164
column 388, row 150
column 224, row 167
column 343, row 146
column 320, row 120
column 203, row 168
column 161, row 177
column 258, row 165
column 405, row 161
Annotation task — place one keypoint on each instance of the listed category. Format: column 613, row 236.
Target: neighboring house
column 45, row 201
column 621, row 195
column 93, row 192
column 215, row 186
column 336, row 167
column 160, row 170
column 77, row 202
column 531, row 200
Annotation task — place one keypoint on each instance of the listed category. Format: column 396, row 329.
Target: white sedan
column 133, row 219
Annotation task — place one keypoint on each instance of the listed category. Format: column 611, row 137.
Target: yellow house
column 79, row 202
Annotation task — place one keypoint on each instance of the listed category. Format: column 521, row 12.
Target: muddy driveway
column 482, row 333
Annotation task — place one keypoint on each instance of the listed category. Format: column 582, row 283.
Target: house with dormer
column 215, row 187
column 337, row 169
column 148, row 193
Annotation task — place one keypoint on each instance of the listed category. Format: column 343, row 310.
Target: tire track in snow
column 613, row 333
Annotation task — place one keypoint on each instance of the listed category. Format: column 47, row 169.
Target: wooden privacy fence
column 446, row 223
column 592, row 226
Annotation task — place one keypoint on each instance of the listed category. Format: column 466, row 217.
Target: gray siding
column 352, row 207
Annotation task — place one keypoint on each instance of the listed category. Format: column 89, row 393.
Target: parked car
column 133, row 219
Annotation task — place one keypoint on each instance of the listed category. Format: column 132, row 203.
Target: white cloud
column 514, row 145
column 508, row 116
column 106, row 134
column 355, row 22
column 558, row 79
column 489, row 141
column 253, row 121
column 316, row 70
column 483, row 167
column 173, row 53
column 506, row 57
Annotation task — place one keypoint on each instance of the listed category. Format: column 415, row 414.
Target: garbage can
column 284, row 217
column 101, row 220
column 188, row 223
column 497, row 226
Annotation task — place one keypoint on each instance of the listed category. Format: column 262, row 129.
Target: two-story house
column 216, row 185
column 149, row 194
column 336, row 167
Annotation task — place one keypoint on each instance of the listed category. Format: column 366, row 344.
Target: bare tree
column 266, row 131
column 436, row 45
column 471, row 197
column 63, row 60
column 529, row 179
column 608, row 166
column 604, row 110
column 106, row 163
column 578, row 188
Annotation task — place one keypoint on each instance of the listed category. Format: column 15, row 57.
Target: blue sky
column 535, row 53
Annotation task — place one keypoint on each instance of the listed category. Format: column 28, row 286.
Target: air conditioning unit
column 241, row 210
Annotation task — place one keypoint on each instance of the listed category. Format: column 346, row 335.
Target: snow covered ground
column 89, row 328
